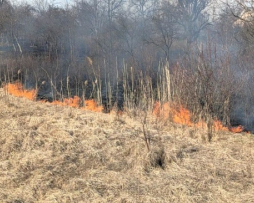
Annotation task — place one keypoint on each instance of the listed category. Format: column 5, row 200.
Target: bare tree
column 192, row 18
column 164, row 30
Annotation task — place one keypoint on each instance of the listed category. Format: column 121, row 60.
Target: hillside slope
column 61, row 154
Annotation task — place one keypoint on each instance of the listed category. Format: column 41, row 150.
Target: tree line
column 97, row 48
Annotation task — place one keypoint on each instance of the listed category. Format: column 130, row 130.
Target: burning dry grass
column 62, row 154
column 16, row 89
column 180, row 115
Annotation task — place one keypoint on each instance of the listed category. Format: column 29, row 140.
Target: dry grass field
column 61, row 154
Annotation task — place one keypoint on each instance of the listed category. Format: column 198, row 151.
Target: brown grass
column 61, row 154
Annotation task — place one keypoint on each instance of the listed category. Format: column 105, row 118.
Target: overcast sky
column 218, row 3
column 64, row 2
column 54, row 2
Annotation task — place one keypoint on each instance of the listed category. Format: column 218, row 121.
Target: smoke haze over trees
column 106, row 46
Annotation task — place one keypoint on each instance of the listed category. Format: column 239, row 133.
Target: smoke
column 87, row 49
column 242, row 109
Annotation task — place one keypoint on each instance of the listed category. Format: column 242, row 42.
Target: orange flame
column 156, row 109
column 72, row 102
column 75, row 102
column 91, row 105
column 16, row 89
column 179, row 115
column 237, row 129
column 218, row 126
column 162, row 112
column 183, row 116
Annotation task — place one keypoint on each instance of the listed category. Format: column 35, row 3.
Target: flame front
column 91, row 105
column 179, row 115
column 183, row 116
column 72, row 102
column 218, row 126
column 75, row 102
column 237, row 129
column 162, row 111
column 16, row 89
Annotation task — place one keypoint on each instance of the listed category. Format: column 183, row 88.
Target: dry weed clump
column 61, row 154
